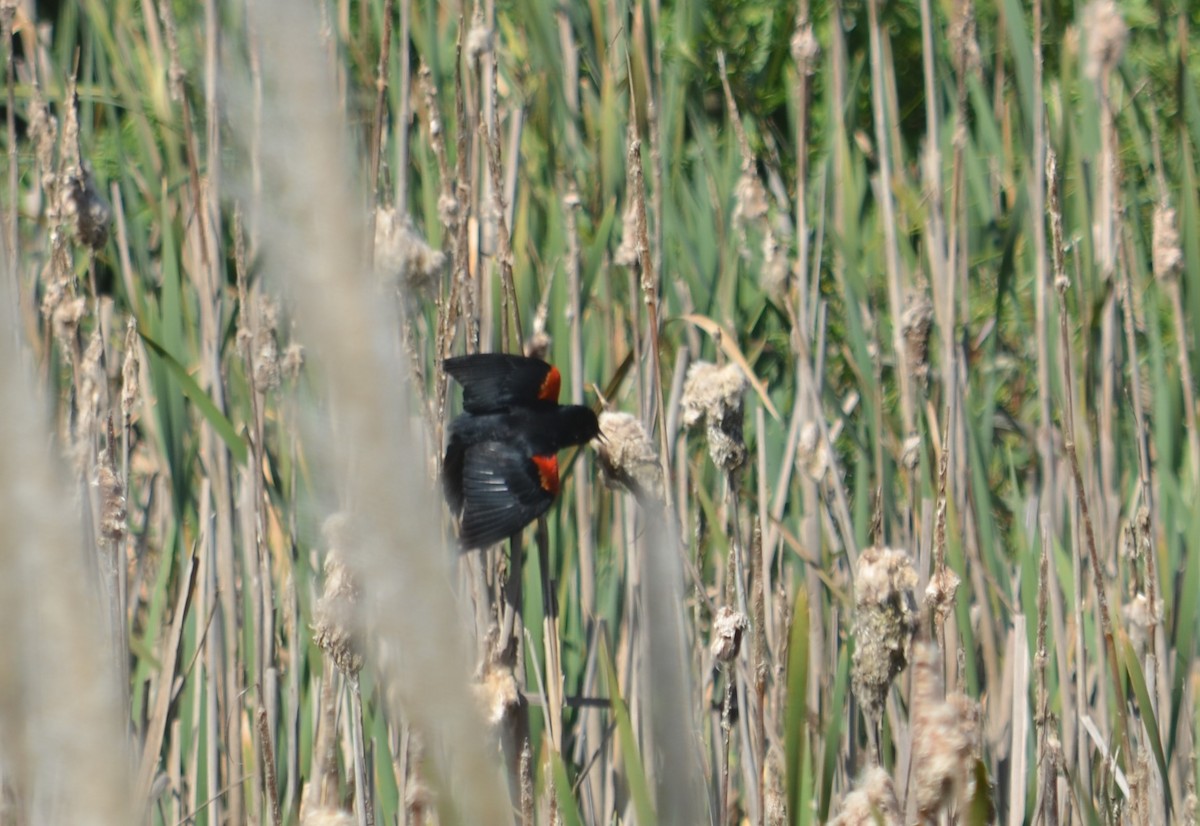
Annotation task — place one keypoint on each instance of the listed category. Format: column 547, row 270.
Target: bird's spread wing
column 503, row 490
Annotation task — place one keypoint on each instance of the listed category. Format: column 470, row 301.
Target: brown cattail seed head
column 945, row 737
column 964, row 48
column 335, row 610
column 112, row 500
column 266, row 348
column 1106, row 35
column 939, row 593
column 805, row 49
column 916, row 323
column 885, row 620
column 714, row 394
column 872, row 803
column 728, row 628
column 83, row 208
column 130, row 376
column 811, row 453
column 1140, row 617
column 627, row 457
column 401, row 253
column 1167, row 254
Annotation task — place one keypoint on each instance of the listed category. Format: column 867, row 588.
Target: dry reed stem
column 400, row 560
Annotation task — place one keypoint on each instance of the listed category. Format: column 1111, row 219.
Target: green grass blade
column 796, row 715
column 192, row 390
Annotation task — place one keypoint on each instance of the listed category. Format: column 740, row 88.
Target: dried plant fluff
column 328, row 817
column 497, row 693
column 729, row 626
column 715, row 394
column 1106, row 35
column 112, row 499
column 402, row 253
column 916, row 322
column 335, row 610
column 885, row 620
column 83, row 208
column 872, row 803
column 945, row 735
column 628, row 458
column 1167, row 254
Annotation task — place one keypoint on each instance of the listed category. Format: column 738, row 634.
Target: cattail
column 811, row 453
column 916, row 322
column 872, row 803
column 628, row 458
column 1106, row 35
column 1140, row 616
column 749, row 204
column 714, row 394
column 112, row 499
column 497, row 693
column 774, row 789
column 1167, row 254
column 964, row 48
column 627, row 254
column 945, row 736
column 884, row 623
column 266, row 348
column 402, row 254
column 729, row 627
column 479, row 38
column 293, row 360
column 130, row 375
column 328, row 817
column 805, row 48
column 776, row 269
column 335, row 611
column 939, row 593
column 83, row 208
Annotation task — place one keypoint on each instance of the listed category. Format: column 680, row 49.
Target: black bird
column 501, row 466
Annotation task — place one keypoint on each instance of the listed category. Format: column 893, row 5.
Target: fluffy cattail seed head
column 401, row 253
column 335, row 610
column 328, row 817
column 945, row 738
column 293, row 360
column 872, row 803
column 1106, row 35
column 885, row 620
column 715, row 395
column 266, row 347
column 628, row 458
column 497, row 694
column 728, row 628
column 1167, row 254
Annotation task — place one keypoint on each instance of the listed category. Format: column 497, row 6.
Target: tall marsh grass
column 892, row 310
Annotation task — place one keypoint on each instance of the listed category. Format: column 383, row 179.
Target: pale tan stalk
column 399, row 558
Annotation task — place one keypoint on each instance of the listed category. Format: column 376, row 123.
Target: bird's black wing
column 503, row 490
column 495, row 381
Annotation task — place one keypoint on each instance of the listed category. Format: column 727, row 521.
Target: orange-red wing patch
column 548, row 392
column 547, row 468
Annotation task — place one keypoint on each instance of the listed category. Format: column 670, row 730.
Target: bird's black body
column 501, row 468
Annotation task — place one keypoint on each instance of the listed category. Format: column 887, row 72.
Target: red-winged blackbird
column 501, row 466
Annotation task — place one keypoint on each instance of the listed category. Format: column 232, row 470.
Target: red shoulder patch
column 547, row 468
column 548, row 392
